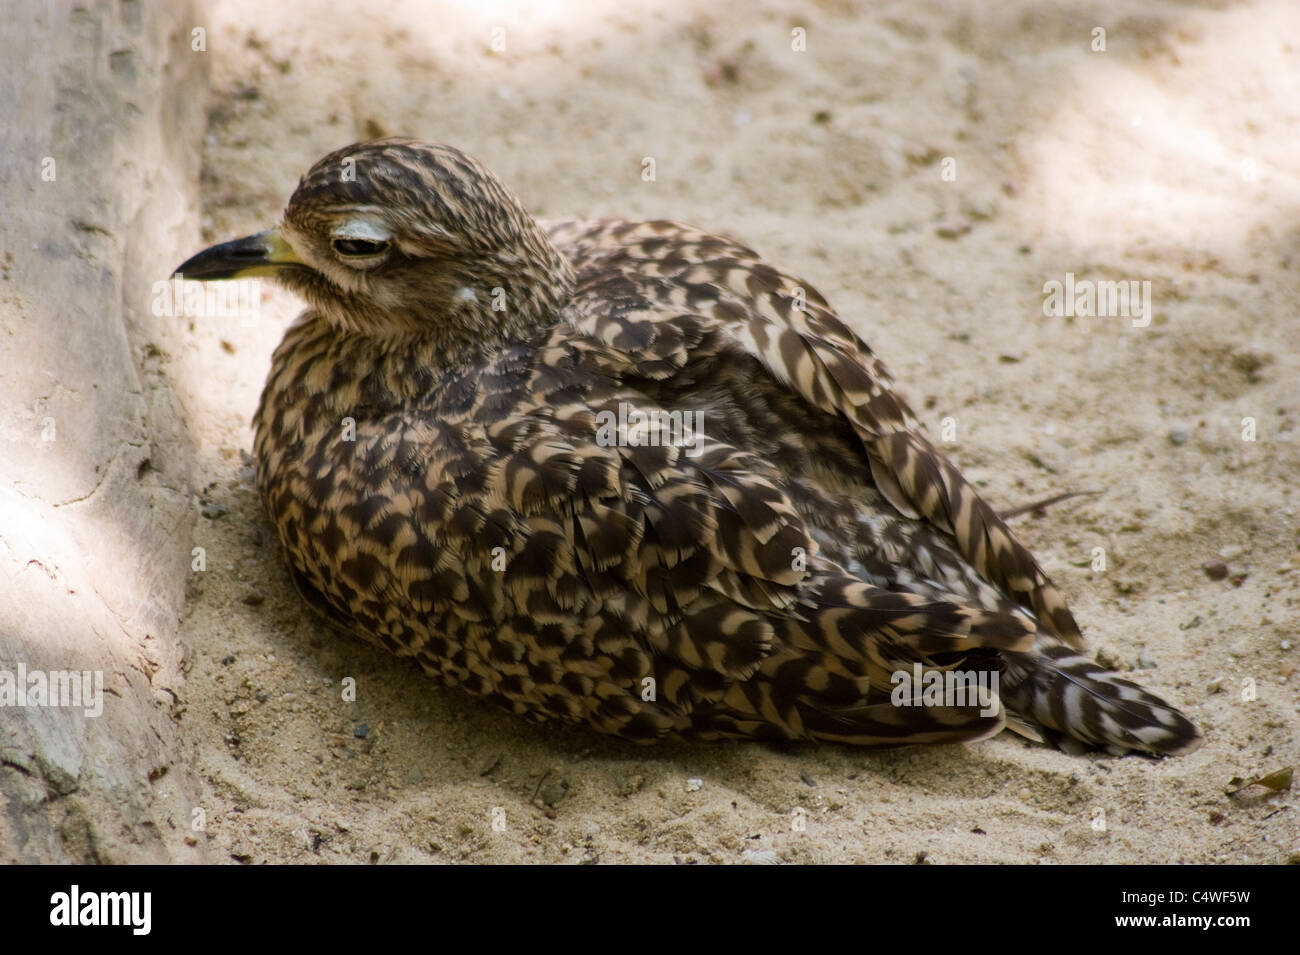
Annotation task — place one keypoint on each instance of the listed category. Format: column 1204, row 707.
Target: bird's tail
column 1062, row 691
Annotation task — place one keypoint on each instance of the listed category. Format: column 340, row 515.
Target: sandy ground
column 1168, row 158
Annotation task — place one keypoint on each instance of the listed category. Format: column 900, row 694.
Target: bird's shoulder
column 636, row 277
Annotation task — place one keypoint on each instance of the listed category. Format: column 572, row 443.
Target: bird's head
column 397, row 237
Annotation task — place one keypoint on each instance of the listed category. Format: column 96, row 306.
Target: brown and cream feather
column 430, row 450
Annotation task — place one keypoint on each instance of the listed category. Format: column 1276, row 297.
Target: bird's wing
column 644, row 560
column 793, row 333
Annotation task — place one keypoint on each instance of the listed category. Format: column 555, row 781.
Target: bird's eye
column 358, row 248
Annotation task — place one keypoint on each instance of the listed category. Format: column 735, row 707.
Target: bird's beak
column 253, row 255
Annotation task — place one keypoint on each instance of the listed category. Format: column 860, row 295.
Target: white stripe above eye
column 365, row 229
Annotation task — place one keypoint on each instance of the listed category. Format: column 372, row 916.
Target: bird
column 632, row 476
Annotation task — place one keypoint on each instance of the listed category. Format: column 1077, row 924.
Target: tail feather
column 1057, row 688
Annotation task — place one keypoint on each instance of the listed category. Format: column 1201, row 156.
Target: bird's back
column 694, row 504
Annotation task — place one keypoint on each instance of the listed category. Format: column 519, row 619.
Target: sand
column 1168, row 157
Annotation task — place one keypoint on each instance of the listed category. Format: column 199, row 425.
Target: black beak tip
column 227, row 260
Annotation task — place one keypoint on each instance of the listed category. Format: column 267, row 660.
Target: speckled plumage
column 432, row 466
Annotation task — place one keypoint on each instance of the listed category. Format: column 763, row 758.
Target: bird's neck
column 463, row 316
column 495, row 307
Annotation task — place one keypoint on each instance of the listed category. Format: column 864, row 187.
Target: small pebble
column 982, row 209
column 953, row 230
column 1231, row 552
column 226, row 661
column 1214, row 686
column 361, row 731
column 759, row 857
column 1146, row 661
column 553, row 790
column 1215, row 569
column 1178, row 436
column 211, row 510
column 254, row 598
column 694, row 784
